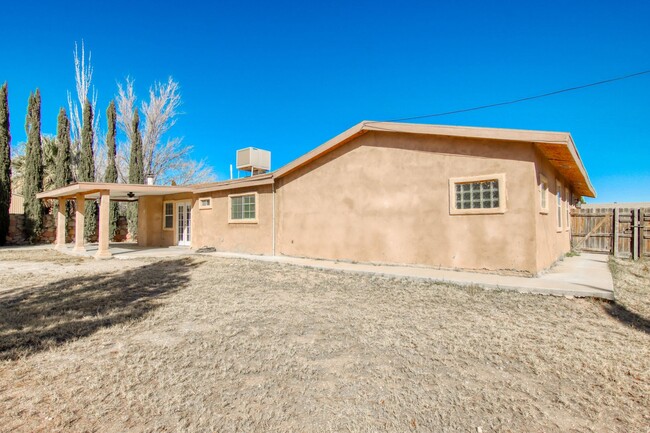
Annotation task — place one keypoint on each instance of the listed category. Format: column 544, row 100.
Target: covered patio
column 104, row 193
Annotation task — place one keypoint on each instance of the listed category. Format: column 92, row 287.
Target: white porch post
column 104, row 225
column 60, row 225
column 79, row 223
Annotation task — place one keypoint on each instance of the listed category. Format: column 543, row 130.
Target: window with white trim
column 168, row 217
column 559, row 204
column 205, row 203
column 477, row 194
column 567, row 198
column 243, row 208
column 543, row 193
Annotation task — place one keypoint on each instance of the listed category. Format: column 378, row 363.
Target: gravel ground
column 207, row 344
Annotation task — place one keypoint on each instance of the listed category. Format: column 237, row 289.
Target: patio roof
column 117, row 191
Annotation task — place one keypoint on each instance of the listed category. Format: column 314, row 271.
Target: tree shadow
column 627, row 317
column 42, row 317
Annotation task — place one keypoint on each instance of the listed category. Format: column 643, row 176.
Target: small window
column 168, row 220
column 559, row 205
column 567, row 198
column 543, row 193
column 205, row 203
column 477, row 195
column 243, row 208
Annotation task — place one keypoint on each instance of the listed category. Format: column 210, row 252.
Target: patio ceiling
column 117, row 191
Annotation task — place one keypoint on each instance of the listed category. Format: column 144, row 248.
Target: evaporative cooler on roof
column 255, row 160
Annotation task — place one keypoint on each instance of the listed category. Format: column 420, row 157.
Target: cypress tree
column 136, row 172
column 87, row 168
column 111, row 168
column 5, row 164
column 136, row 167
column 33, row 170
column 86, row 160
column 63, row 170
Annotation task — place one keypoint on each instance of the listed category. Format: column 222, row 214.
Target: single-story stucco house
column 380, row 192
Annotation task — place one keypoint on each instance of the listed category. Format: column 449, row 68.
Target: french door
column 184, row 223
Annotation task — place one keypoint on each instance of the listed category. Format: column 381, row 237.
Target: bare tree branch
column 166, row 159
column 83, row 83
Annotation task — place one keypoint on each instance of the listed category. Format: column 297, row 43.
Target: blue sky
column 287, row 76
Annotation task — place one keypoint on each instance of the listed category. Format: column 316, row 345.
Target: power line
column 515, row 101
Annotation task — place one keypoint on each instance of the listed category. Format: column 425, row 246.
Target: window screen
column 477, row 195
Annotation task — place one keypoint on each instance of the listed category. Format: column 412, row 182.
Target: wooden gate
column 623, row 232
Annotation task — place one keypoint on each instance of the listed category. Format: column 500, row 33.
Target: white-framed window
column 205, row 203
column 477, row 194
column 558, row 187
column 543, row 194
column 242, row 208
column 168, row 215
column 567, row 198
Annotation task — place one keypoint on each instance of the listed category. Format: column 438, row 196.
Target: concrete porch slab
column 125, row 251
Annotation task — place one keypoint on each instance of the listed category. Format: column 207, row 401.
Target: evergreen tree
column 86, row 160
column 87, row 169
column 136, row 167
column 136, row 172
column 5, row 164
column 111, row 167
column 63, row 164
column 33, row 170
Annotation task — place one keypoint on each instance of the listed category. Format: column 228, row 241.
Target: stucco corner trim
column 503, row 194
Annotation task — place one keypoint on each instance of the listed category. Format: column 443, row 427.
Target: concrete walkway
column 586, row 275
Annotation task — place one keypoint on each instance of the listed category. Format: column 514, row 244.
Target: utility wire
column 515, row 101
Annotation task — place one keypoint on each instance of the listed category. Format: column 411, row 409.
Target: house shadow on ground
column 39, row 318
column 626, row 316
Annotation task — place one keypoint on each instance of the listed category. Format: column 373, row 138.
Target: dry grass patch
column 235, row 345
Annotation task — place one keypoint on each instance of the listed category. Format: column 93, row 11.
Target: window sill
column 243, row 221
column 486, row 211
column 544, row 211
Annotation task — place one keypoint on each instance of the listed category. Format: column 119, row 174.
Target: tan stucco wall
column 385, row 198
column 150, row 220
column 552, row 244
column 211, row 226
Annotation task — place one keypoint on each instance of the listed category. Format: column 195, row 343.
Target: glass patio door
column 184, row 215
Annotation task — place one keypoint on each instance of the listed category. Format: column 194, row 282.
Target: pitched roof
column 557, row 147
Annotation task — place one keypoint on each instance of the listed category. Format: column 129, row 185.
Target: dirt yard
column 225, row 345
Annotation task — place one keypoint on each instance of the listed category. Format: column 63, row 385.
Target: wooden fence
column 621, row 231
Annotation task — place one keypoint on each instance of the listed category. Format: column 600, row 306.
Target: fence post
column 635, row 235
column 615, row 231
column 643, row 250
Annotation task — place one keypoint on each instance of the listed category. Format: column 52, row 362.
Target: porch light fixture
column 130, row 195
